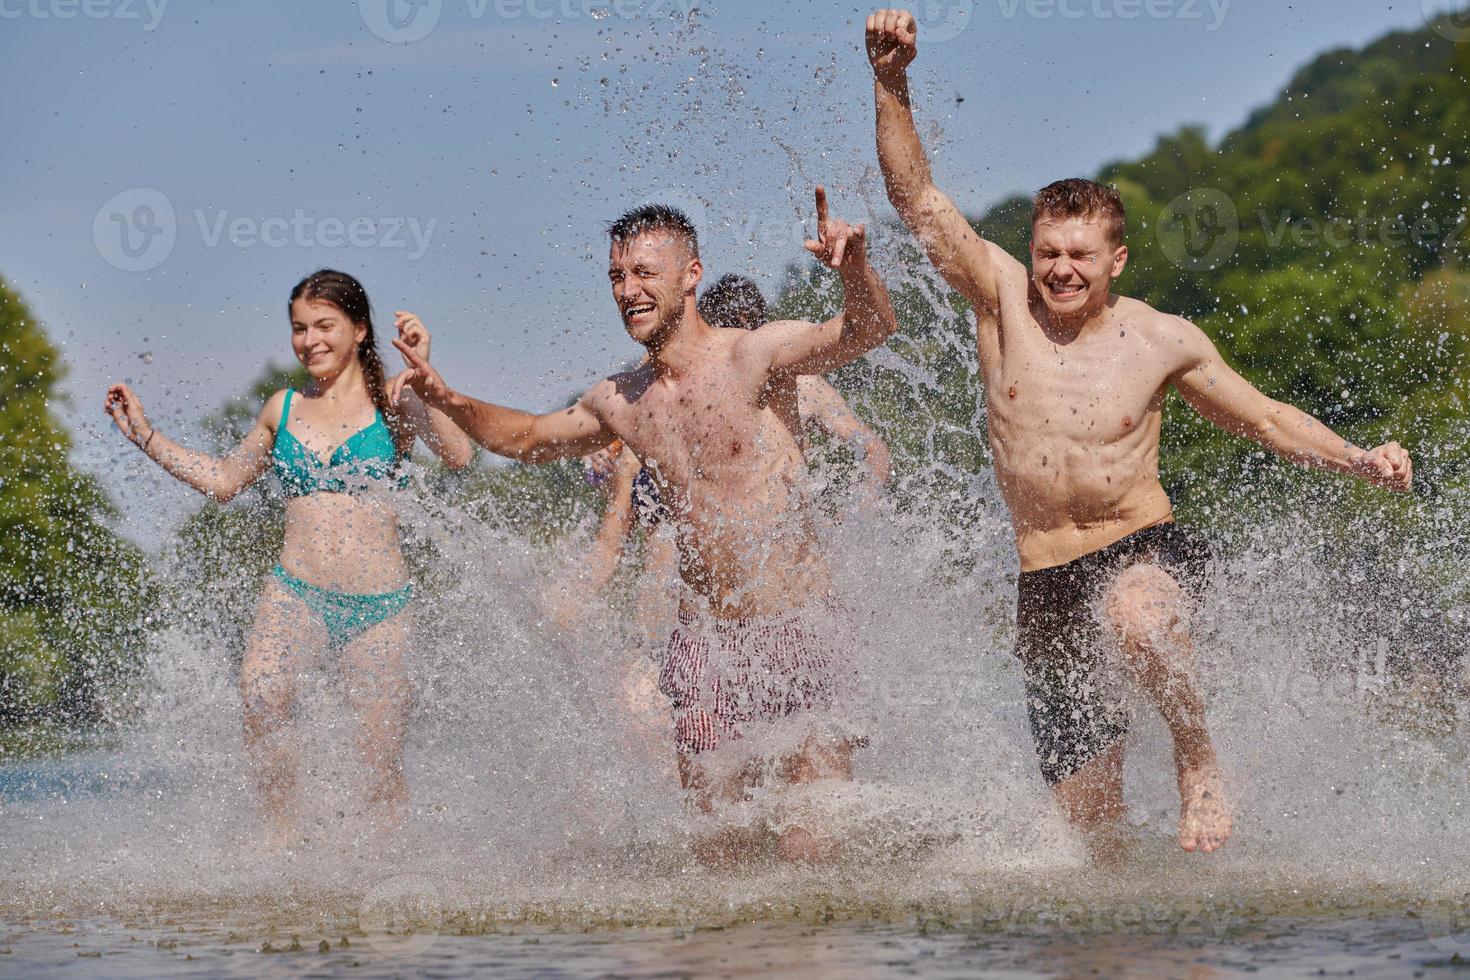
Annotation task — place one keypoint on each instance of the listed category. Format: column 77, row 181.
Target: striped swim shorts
column 724, row 675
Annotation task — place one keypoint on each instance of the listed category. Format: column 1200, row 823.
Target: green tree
column 74, row 597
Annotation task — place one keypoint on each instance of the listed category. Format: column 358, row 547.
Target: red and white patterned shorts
column 724, row 674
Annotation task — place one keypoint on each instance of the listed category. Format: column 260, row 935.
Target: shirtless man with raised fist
column 1075, row 378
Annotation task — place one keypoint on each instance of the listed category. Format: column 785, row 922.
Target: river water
column 547, row 835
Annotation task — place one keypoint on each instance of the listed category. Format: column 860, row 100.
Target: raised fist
column 892, row 42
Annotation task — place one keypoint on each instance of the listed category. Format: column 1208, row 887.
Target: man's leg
column 728, row 847
column 1079, row 730
column 1145, row 609
column 697, row 731
column 1092, row 797
column 1092, row 801
column 819, row 759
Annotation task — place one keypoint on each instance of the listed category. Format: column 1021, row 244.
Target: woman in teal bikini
column 341, row 584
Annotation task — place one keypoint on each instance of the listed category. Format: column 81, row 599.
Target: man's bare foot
column 797, row 845
column 1204, row 812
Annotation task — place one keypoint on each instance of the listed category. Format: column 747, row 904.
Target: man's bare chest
column 1096, row 389
column 697, row 421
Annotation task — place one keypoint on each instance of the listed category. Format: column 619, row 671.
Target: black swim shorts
column 1074, row 719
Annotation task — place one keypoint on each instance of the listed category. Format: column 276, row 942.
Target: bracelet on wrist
column 144, row 446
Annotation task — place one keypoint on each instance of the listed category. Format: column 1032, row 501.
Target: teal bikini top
column 368, row 454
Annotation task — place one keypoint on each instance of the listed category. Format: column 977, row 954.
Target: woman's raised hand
column 411, row 331
column 126, row 411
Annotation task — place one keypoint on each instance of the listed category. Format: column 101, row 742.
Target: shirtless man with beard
column 1075, row 379
column 761, row 657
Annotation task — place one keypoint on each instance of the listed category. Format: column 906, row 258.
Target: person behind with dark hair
column 1075, row 381
column 734, row 301
column 758, row 665
column 341, row 583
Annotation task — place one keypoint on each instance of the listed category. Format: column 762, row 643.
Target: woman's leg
column 284, row 633
column 378, row 690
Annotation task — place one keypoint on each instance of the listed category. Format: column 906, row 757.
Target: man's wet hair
column 734, row 302
column 655, row 217
column 1085, row 199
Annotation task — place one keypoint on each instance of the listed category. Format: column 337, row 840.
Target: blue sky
column 467, row 174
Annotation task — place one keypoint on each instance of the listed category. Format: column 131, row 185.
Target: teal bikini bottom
column 346, row 615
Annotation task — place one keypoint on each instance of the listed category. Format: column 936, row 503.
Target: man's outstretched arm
column 966, row 261
column 867, row 318
column 567, row 434
column 1226, row 399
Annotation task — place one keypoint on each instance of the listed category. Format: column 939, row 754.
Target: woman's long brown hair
column 346, row 293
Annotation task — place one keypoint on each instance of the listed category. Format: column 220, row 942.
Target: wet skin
column 339, row 541
column 699, row 414
column 731, row 471
column 1075, row 384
